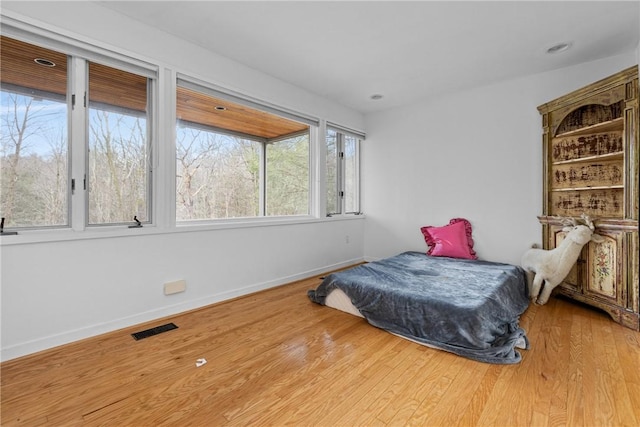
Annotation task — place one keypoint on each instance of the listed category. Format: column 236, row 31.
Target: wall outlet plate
column 175, row 287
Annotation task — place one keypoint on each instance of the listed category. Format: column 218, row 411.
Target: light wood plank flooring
column 275, row 358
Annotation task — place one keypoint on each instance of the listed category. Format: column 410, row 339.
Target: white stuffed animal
column 552, row 266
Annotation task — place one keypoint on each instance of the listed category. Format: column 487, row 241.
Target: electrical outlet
column 175, row 287
column 346, row 238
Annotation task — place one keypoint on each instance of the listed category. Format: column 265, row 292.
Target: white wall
column 475, row 154
column 56, row 292
column 53, row 293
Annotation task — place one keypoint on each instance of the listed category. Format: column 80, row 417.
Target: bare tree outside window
column 351, row 178
column 34, row 160
column 119, row 157
column 218, row 175
column 288, row 176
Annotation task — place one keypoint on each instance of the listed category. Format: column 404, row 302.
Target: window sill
column 110, row 232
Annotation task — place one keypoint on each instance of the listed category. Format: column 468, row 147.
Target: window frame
column 162, row 144
column 194, row 84
column 64, row 100
column 341, row 134
column 79, row 55
column 151, row 131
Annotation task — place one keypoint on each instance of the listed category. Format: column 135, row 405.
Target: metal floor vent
column 153, row 331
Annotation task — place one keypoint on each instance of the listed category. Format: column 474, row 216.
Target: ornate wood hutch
column 590, row 149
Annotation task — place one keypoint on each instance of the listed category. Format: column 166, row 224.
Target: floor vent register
column 153, row 331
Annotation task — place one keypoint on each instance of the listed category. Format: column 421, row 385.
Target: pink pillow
column 453, row 240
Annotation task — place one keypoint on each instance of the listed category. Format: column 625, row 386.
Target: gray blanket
column 467, row 307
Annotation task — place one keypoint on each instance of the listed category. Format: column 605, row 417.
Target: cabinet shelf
column 600, row 187
column 609, row 156
column 615, row 124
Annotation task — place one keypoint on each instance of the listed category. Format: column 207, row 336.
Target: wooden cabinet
column 590, row 152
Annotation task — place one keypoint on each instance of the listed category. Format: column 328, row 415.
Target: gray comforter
column 467, row 307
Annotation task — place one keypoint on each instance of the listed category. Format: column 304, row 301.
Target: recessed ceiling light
column 220, row 108
column 560, row 47
column 44, row 62
column 376, row 96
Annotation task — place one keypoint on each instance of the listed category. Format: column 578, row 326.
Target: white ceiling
column 406, row 51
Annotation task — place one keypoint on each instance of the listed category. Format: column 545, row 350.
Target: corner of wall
column 638, row 56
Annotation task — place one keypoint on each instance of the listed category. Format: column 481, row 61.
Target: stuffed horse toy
column 552, row 266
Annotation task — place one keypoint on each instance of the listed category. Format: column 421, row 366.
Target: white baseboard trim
column 49, row 342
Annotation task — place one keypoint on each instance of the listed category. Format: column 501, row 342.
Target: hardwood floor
column 275, row 358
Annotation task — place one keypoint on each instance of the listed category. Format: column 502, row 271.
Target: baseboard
column 35, row 346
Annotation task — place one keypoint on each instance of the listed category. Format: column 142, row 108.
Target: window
column 34, row 159
column 351, row 174
column 288, row 176
column 342, row 171
column 77, row 135
column 104, row 109
column 119, row 157
column 238, row 159
column 332, row 183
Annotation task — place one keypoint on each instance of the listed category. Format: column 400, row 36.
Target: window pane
column 332, row 172
column 33, row 128
column 119, row 158
column 220, row 169
column 218, row 176
column 350, row 175
column 288, row 176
